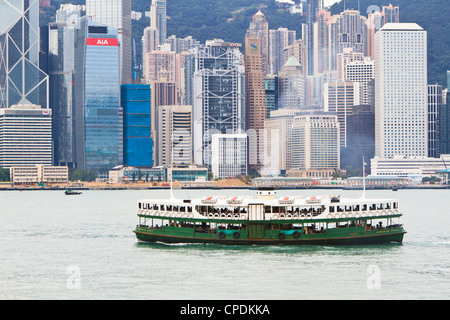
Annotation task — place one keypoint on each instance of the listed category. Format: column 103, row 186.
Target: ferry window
column 395, row 205
column 380, row 206
column 372, row 206
column 169, row 208
column 162, row 207
column 356, row 207
column 155, row 207
column 331, row 209
column 364, row 207
column 140, row 205
column 267, row 209
column 388, row 205
column 175, row 208
column 340, row 209
column 276, row 209
column 182, row 209
column 348, row 208
column 189, row 209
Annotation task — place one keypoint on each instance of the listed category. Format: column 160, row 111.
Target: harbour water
column 55, row 246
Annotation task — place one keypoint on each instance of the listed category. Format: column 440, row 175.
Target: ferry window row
column 162, row 207
column 363, row 207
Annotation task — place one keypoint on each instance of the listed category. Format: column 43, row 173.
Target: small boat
column 270, row 220
column 70, row 192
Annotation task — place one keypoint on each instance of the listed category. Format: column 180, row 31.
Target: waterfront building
column 124, row 174
column 291, row 85
column 255, row 104
column 158, row 18
column 229, row 155
column 401, row 91
column 25, row 136
column 39, row 173
column 21, row 79
column 315, row 141
column 116, row 14
column 174, row 135
column 187, row 174
column 403, row 166
column 98, row 115
column 340, row 97
column 62, row 68
column 137, row 139
column 259, row 28
column 215, row 87
column 435, row 101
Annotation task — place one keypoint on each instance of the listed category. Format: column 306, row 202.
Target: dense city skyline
column 341, row 65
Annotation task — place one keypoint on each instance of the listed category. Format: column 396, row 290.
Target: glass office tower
column 137, row 140
column 21, row 80
column 98, row 116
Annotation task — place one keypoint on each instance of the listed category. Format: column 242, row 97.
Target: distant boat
column 70, row 192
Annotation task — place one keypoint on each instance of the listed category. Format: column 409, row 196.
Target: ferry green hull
column 349, row 236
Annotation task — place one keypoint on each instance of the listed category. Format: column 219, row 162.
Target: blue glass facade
column 137, row 141
column 102, row 115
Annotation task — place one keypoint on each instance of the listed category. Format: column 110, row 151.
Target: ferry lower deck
column 344, row 231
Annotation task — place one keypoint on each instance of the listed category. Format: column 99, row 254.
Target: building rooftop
column 401, row 27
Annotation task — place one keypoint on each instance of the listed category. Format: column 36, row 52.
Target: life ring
column 275, row 216
column 281, row 236
column 289, row 215
column 223, row 215
column 330, row 216
column 216, row 215
column 190, row 215
column 395, row 211
column 236, row 215
column 302, row 215
column 282, row 215
column 296, row 234
column 221, row 235
column 236, row 235
column 229, row 215
column 309, row 215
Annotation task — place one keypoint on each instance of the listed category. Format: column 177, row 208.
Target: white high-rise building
column 401, row 90
column 25, row 136
column 229, row 155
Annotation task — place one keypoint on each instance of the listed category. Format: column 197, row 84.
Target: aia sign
column 102, row 42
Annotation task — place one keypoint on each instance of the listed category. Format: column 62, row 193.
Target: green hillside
column 229, row 20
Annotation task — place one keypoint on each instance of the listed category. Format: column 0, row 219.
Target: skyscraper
column 401, row 90
column 291, row 84
column 137, row 139
column 21, row 80
column 259, row 28
column 98, row 116
column 278, row 40
column 347, row 30
column 215, row 88
column 62, row 69
column 116, row 14
column 25, row 136
column 158, row 18
column 435, row 101
column 255, row 104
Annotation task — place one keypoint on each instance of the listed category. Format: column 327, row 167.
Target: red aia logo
column 102, row 42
